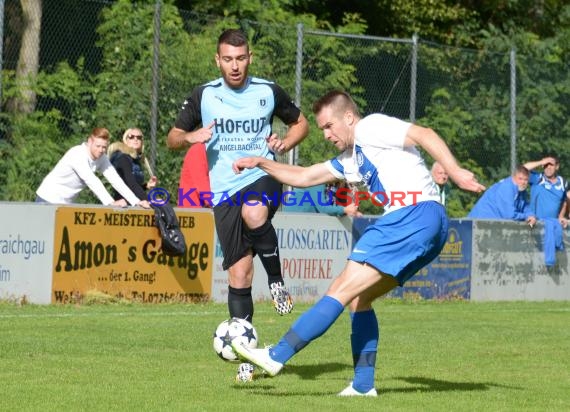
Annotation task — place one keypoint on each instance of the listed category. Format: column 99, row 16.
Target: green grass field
column 433, row 356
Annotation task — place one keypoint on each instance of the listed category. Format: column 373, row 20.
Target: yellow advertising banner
column 118, row 252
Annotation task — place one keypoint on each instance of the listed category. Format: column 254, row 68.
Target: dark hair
column 339, row 100
column 233, row 37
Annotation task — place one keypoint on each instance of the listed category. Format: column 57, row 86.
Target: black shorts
column 229, row 224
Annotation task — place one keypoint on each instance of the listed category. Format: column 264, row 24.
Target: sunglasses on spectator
column 135, row 136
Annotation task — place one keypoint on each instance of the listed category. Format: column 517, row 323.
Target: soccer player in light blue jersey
column 232, row 117
column 380, row 153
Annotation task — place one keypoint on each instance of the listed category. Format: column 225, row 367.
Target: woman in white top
column 76, row 169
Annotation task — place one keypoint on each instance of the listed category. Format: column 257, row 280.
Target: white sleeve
column 118, row 184
column 81, row 166
column 379, row 130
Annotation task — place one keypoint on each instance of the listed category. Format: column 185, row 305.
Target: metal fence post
column 513, row 109
column 294, row 153
column 155, row 80
column 413, row 80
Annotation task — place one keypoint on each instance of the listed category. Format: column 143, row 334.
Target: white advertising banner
column 26, row 251
column 313, row 249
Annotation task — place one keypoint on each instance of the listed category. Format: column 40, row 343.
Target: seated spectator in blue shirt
column 318, row 199
column 506, row 199
column 548, row 191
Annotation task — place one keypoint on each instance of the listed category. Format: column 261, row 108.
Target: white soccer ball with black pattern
column 232, row 329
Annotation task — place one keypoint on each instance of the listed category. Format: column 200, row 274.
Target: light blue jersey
column 242, row 121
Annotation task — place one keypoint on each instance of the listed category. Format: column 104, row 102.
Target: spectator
column 441, row 178
column 76, row 169
column 548, row 200
column 548, row 191
column 506, row 199
column 319, row 199
column 128, row 159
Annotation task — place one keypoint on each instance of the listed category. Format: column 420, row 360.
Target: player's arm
column 181, row 139
column 296, row 176
column 188, row 128
column 291, row 115
column 296, row 133
column 438, row 149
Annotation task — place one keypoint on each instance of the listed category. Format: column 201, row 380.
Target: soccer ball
column 245, row 372
column 233, row 329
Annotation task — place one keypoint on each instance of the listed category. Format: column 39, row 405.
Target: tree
column 28, row 60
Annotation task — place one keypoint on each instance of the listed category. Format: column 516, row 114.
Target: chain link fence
column 117, row 65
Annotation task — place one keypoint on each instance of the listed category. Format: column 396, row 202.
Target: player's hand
column 244, row 163
column 466, row 180
column 275, row 144
column 201, row 135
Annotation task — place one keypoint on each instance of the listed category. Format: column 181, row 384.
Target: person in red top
column 194, row 178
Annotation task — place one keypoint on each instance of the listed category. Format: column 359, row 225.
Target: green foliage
column 31, row 155
column 436, row 20
column 462, row 94
column 543, row 94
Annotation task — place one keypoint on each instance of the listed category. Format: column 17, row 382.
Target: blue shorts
column 404, row 241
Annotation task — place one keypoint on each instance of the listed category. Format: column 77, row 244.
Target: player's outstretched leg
column 310, row 325
column 259, row 357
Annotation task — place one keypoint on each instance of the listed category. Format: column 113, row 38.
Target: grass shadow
column 311, row 372
column 422, row 384
column 418, row 384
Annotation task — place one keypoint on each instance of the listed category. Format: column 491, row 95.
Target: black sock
column 240, row 303
column 264, row 239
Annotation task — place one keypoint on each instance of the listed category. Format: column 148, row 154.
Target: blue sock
column 310, row 325
column 364, row 341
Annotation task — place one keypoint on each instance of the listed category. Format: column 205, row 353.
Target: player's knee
column 254, row 216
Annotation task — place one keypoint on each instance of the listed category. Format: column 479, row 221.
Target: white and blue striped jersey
column 396, row 175
column 242, row 121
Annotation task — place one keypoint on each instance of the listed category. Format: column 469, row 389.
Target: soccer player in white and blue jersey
column 379, row 152
column 233, row 117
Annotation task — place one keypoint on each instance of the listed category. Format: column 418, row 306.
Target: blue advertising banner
column 448, row 276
